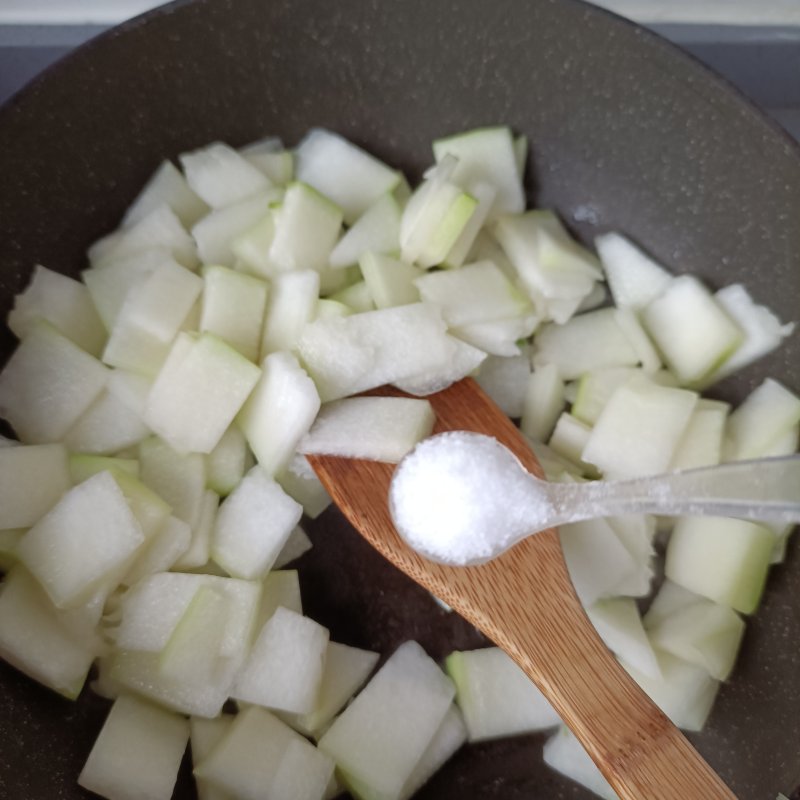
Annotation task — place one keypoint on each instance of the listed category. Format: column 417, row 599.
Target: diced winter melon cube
column 32, row 479
column 565, row 754
column 377, row 230
column 137, row 754
column 543, row 402
column 639, row 429
column 280, row 589
column 151, row 316
column 63, row 302
column 295, row 546
column 495, row 696
column 166, row 186
column 352, row 178
column 35, row 639
column 220, row 176
column 725, row 560
column 499, row 337
column 233, row 309
column 703, row 633
column 199, row 390
column 205, row 735
column 260, row 756
column 763, row 331
column 669, row 599
column 225, row 464
column 357, row 297
column 377, row 428
column 269, row 156
column 569, row 439
column 486, row 155
column 161, row 551
column 252, row 526
column 292, row 304
column 304, row 210
column 299, row 481
column 633, row 277
column 178, row 478
column 216, row 233
column 637, row 533
column 279, row 411
column 589, row 341
column 619, row 625
column 451, row 735
column 594, row 390
column 464, row 360
column 702, row 440
column 684, row 692
column 159, row 230
column 150, row 510
column 47, row 384
column 478, row 292
column 345, row 672
column 198, row 552
column 284, row 668
column 382, row 735
column 485, row 194
column 87, row 535
column 505, row 380
column 628, row 321
column 390, row 282
column 769, row 411
column 684, row 314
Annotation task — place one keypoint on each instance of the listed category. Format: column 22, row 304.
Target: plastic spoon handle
column 765, row 489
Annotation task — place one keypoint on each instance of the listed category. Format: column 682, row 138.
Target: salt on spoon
column 462, row 498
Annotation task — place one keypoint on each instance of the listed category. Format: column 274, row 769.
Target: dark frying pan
column 627, row 133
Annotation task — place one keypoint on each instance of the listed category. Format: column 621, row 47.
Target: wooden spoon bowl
column 525, row 602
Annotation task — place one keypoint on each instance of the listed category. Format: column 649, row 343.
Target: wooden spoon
column 524, row 601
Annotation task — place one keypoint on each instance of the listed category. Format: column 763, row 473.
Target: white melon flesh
column 166, row 186
column 216, row 233
column 47, row 384
column 284, row 668
column 233, row 309
column 279, row 411
column 32, row 480
column 199, row 390
column 684, row 315
column 645, row 350
column 465, row 360
column 345, row 672
column 63, row 302
column 669, row 599
column 260, row 756
column 702, row 440
column 279, row 589
column 205, row 735
column 198, row 552
column 619, row 625
column 271, row 158
column 296, row 545
column 377, row 230
column 637, row 533
column 485, row 194
column 594, row 389
column 703, row 633
column 137, row 754
column 589, row 341
column 639, row 429
column 565, row 754
column 162, row 550
column 684, row 692
column 86, row 536
column 225, row 464
column 496, row 697
column 478, row 292
column 357, row 297
column 543, row 403
column 300, row 481
column 292, row 304
column 633, row 277
column 390, row 282
column 35, row 639
column 382, row 735
column 725, row 560
column 486, row 155
column 377, row 428
column 500, row 337
column 303, row 210
column 505, row 380
column 149, row 509
column 159, row 230
column 346, row 174
column 767, row 414
column 569, row 439
column 351, row 354
column 220, row 176
column 252, row 526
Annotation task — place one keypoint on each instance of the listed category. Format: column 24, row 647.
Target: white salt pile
column 463, row 498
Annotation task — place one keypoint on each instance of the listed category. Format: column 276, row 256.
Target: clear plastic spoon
column 463, row 498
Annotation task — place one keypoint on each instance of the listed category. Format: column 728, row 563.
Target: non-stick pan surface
column 627, row 133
